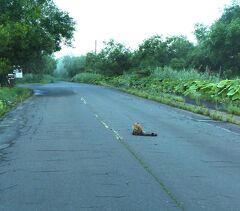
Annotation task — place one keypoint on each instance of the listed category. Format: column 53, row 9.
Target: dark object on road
column 138, row 131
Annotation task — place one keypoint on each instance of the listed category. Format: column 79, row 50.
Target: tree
column 201, row 32
column 218, row 46
column 178, row 49
column 224, row 39
column 91, row 62
column 46, row 64
column 74, row 65
column 152, row 52
column 114, row 58
column 4, row 69
column 200, row 55
column 30, row 30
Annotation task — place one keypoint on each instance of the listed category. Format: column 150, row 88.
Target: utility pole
column 95, row 46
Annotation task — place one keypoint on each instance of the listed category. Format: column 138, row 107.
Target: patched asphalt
column 69, row 147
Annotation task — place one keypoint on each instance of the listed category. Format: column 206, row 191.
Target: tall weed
column 36, row 78
column 167, row 73
column 11, row 96
column 88, row 78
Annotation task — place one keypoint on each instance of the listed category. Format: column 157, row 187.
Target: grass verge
column 10, row 97
column 178, row 102
column 37, row 78
column 161, row 91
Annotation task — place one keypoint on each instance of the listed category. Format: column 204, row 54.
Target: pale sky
column 131, row 21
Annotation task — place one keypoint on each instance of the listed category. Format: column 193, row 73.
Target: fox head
column 137, row 128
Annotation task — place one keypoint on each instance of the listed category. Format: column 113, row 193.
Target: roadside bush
column 186, row 83
column 36, row 78
column 177, row 63
column 4, row 70
column 183, row 74
column 11, row 96
column 88, row 78
column 114, row 59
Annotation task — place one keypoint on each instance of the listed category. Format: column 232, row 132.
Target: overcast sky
column 132, row 21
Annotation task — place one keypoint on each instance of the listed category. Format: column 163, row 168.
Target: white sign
column 18, row 75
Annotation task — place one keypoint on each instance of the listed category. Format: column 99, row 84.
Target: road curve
column 69, row 147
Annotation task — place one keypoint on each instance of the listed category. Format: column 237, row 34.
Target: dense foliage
column 172, row 65
column 30, row 31
column 224, row 40
column 177, row 88
column 217, row 50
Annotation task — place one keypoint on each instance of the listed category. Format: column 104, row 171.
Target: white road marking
column 83, row 100
column 206, row 121
column 117, row 135
column 227, row 130
column 105, row 125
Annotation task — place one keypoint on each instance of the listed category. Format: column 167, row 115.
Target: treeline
column 30, row 32
column 217, row 50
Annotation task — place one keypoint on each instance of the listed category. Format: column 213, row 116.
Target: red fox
column 138, row 131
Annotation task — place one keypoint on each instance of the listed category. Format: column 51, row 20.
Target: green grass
column 178, row 103
column 233, row 109
column 189, row 83
column 168, row 73
column 37, row 78
column 93, row 78
column 170, row 86
column 9, row 97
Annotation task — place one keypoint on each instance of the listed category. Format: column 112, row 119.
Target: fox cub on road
column 138, row 131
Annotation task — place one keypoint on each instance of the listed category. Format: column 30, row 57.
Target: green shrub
column 233, row 109
column 184, row 74
column 4, row 70
column 166, row 84
column 177, row 63
column 88, row 78
column 11, row 96
column 36, row 78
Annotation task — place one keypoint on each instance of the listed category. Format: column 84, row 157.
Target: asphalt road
column 70, row 147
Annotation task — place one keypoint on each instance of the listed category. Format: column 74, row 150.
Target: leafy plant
column 4, row 70
column 11, row 96
column 88, row 78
